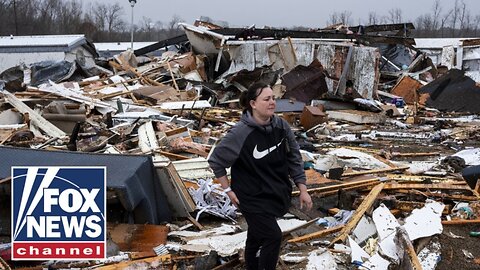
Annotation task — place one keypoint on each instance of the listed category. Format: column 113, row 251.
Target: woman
column 263, row 155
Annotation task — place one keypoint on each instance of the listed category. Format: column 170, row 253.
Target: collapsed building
column 386, row 132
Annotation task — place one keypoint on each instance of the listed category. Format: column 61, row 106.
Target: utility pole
column 132, row 4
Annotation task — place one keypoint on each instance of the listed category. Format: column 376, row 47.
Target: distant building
column 16, row 50
column 109, row 49
column 460, row 53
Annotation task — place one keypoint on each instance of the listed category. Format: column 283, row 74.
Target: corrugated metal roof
column 41, row 41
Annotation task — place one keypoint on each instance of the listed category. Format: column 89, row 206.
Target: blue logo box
column 58, row 213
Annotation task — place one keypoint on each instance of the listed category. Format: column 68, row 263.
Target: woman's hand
column 233, row 198
column 305, row 199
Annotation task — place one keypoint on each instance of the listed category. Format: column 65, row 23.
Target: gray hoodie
column 263, row 160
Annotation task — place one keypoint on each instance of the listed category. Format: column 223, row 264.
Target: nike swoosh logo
column 261, row 154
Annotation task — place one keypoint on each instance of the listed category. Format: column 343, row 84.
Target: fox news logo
column 58, row 213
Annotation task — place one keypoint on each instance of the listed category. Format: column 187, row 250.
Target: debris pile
column 389, row 141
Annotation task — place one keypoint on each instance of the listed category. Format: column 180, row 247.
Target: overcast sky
column 280, row 13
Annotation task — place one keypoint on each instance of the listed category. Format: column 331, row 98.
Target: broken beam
column 408, row 247
column 426, row 186
column 364, row 206
column 440, row 195
column 460, row 221
column 337, row 187
column 316, row 235
column 375, row 171
column 36, row 118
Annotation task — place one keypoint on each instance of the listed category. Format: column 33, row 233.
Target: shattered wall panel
column 363, row 71
column 242, row 57
column 287, row 55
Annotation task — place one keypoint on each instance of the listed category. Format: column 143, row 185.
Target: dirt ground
column 452, row 254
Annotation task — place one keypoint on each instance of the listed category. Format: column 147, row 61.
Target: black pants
column 265, row 235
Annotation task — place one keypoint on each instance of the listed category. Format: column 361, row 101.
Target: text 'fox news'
column 58, row 213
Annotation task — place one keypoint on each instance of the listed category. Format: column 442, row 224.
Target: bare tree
column 464, row 19
column 437, row 9
column 98, row 18
column 343, row 17
column 444, row 21
column 455, row 16
column 395, row 15
column 114, row 18
column 70, row 17
column 173, row 28
column 476, row 24
column 373, row 18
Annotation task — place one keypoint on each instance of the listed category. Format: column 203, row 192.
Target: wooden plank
column 461, row 221
column 343, row 78
column 228, row 265
column 440, row 195
column 397, row 154
column 417, row 178
column 179, row 200
column 426, row 186
column 50, row 129
column 364, row 206
column 195, row 222
column 173, row 76
column 337, row 187
column 375, row 171
column 316, row 235
column 410, row 250
column 162, row 260
column 172, row 155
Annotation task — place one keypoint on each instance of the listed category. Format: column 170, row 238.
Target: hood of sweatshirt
column 248, row 120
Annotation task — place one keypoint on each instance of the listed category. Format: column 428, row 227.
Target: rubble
column 389, row 143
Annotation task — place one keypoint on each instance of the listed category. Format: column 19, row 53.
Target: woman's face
column 264, row 104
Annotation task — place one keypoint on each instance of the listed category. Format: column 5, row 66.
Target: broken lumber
column 364, row 206
column 426, row 186
column 36, row 118
column 460, row 221
column 408, row 248
column 164, row 259
column 316, row 235
column 440, row 195
column 375, row 171
column 338, row 186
